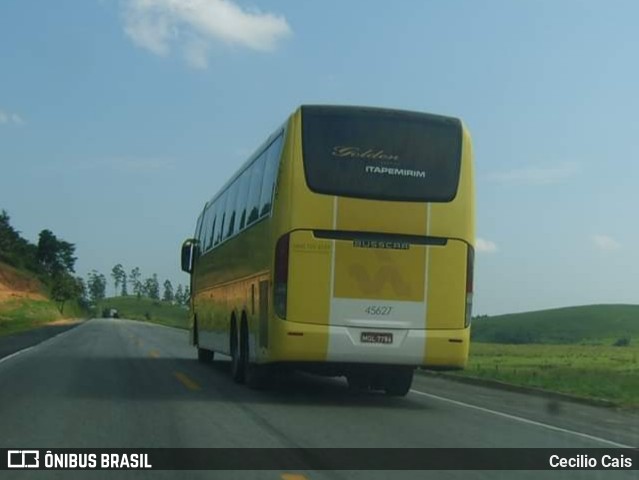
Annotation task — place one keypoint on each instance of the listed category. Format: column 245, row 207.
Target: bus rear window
column 381, row 154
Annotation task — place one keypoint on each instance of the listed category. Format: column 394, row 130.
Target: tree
column 134, row 280
column 119, row 277
column 124, row 292
column 97, row 286
column 152, row 287
column 55, row 256
column 168, row 291
column 179, row 295
column 64, row 288
column 187, row 296
column 83, row 301
column 14, row 249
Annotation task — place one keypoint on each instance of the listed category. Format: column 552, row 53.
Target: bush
column 622, row 342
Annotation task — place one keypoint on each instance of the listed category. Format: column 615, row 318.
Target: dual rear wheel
column 394, row 380
column 242, row 369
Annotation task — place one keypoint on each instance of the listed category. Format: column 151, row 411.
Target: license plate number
column 376, row 337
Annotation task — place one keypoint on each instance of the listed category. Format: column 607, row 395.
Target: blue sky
column 119, row 119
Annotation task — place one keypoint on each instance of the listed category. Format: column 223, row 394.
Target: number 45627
column 378, row 310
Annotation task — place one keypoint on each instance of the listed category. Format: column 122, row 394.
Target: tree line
column 148, row 287
column 51, row 260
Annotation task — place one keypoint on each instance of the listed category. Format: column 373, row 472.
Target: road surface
column 121, row 383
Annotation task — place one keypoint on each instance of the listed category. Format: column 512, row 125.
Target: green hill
column 148, row 310
column 591, row 324
column 25, row 303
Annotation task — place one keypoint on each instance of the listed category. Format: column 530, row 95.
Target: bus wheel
column 398, row 381
column 204, row 355
column 237, row 356
column 255, row 376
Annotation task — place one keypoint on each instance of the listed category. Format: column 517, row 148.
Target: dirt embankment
column 15, row 284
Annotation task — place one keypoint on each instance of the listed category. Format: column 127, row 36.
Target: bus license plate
column 376, row 337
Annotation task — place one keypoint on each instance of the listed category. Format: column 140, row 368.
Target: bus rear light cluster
column 280, row 276
column 470, row 267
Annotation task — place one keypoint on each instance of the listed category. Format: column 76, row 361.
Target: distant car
column 110, row 313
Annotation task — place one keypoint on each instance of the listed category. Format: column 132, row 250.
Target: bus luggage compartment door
column 387, row 284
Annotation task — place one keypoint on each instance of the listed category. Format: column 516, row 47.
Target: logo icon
column 23, row 459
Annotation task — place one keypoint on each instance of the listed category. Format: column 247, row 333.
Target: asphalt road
column 120, row 383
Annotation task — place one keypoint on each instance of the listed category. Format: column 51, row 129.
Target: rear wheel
column 255, row 376
column 203, row 355
column 237, row 355
column 398, row 381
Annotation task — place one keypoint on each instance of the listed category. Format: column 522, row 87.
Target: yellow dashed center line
column 186, row 381
column 154, row 354
column 293, row 476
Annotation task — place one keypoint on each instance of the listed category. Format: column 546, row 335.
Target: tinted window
column 220, row 204
column 242, row 198
column 198, row 229
column 255, row 188
column 230, row 210
column 381, row 154
column 204, row 232
column 211, row 226
column 270, row 173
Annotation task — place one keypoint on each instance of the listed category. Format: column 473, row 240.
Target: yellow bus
column 343, row 247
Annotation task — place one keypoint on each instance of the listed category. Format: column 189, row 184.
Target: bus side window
column 219, row 224
column 211, row 227
column 255, row 189
column 198, row 232
column 270, row 173
column 230, row 209
column 242, row 198
column 206, row 228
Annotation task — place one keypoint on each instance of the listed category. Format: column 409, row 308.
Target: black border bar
column 329, row 458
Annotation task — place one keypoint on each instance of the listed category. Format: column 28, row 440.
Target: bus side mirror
column 188, row 252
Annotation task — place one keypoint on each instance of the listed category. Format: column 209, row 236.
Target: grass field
column 23, row 314
column 590, row 371
column 148, row 310
column 590, row 324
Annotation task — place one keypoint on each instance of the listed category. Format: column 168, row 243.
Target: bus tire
column 255, row 376
column 398, row 381
column 204, row 355
column 237, row 367
column 195, row 339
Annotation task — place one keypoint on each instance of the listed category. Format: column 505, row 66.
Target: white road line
column 24, row 350
column 15, row 354
column 124, row 321
column 523, row 420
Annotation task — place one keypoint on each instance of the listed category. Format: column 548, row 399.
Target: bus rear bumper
column 305, row 342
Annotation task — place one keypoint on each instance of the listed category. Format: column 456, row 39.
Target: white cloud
column 194, row 25
column 605, row 242
column 485, row 246
column 17, row 119
column 9, row 118
column 535, row 175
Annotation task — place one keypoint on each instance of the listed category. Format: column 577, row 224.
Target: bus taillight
column 470, row 266
column 280, row 276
